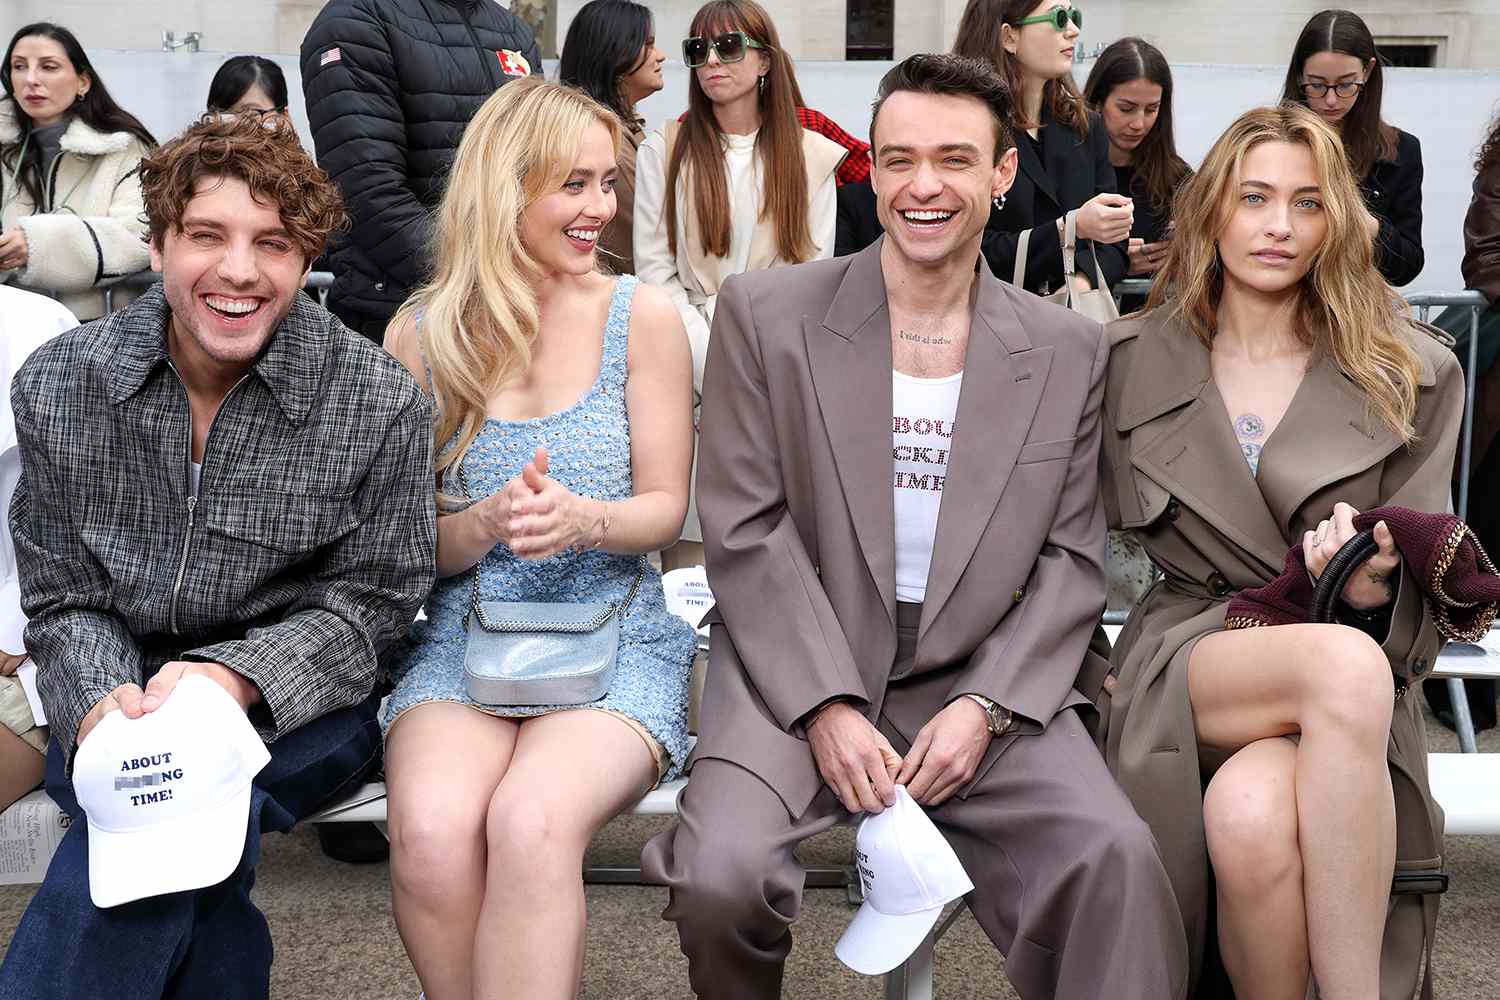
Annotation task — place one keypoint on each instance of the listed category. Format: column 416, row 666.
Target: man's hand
column 946, row 753
column 130, row 699
column 854, row 758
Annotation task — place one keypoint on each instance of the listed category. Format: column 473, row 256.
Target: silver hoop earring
column 1000, row 203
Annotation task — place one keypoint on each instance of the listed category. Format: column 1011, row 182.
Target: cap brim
column 874, row 943
column 189, row 852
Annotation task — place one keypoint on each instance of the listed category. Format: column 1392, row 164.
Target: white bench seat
column 1467, row 786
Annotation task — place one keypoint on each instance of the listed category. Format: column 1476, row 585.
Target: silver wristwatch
column 999, row 720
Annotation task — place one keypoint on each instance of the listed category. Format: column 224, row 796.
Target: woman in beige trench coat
column 1256, row 755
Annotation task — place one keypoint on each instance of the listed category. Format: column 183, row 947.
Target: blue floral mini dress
column 589, row 449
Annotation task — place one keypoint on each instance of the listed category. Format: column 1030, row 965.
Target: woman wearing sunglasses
column 1131, row 88
column 1064, row 152
column 738, row 185
column 1335, row 71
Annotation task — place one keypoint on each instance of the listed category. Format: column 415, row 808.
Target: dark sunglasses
column 731, row 47
column 1058, row 17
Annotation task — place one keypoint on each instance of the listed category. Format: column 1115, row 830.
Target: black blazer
column 1072, row 169
column 857, row 224
column 1393, row 191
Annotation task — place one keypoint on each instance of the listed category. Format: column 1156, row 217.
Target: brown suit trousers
column 1068, row 882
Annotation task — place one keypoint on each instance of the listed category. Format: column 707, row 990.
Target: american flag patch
column 331, row 56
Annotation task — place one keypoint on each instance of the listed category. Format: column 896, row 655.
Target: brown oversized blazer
column 795, row 492
column 1173, row 472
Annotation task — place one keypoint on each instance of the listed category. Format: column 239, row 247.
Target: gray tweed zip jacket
column 307, row 550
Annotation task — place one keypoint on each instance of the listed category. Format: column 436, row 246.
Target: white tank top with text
column 923, row 411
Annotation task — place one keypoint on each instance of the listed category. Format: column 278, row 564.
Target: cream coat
column 89, row 233
column 1173, row 473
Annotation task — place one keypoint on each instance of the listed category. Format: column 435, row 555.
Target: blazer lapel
column 849, row 356
column 1183, row 441
column 1031, row 165
column 1325, row 436
column 1004, row 377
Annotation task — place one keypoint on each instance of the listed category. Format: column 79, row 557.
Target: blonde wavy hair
column 1345, row 310
column 479, row 313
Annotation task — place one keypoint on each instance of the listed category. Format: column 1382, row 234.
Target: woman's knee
column 431, row 839
column 1348, row 684
column 533, row 838
column 1250, row 820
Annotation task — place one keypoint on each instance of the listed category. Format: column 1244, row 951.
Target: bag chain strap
column 477, row 608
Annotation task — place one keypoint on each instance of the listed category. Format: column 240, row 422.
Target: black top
column 1150, row 221
column 1059, row 171
column 1393, row 192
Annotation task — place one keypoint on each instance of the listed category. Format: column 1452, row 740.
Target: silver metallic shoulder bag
column 541, row 653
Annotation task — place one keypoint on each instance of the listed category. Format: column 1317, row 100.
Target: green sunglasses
column 731, row 47
column 1058, row 17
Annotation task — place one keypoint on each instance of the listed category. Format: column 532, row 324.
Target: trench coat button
column 1020, row 593
column 1420, row 667
column 1174, row 509
column 1219, row 586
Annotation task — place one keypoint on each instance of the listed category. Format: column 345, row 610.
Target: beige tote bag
column 1097, row 303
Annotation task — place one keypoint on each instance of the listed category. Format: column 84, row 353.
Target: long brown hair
column 698, row 154
column 979, row 38
column 1345, row 309
column 1158, row 168
column 1366, row 135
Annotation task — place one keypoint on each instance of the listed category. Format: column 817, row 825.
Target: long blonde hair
column 1345, row 310
column 479, row 314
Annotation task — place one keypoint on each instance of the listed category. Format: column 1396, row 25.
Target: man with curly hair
column 219, row 480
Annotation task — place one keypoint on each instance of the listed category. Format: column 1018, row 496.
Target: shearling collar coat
column 88, row 233
column 1172, row 471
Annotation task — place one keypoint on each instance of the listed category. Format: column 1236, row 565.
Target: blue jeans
column 206, row 943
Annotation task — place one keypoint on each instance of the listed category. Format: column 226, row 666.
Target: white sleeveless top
column 923, row 411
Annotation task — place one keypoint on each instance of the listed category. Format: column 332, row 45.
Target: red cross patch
column 512, row 63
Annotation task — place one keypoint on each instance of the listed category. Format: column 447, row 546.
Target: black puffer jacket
column 390, row 86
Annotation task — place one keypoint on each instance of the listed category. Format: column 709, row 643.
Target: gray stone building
column 1453, row 34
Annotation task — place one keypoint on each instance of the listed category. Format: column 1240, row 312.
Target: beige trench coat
column 1172, row 471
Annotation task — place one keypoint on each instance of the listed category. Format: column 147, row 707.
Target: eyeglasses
column 730, row 46
column 1348, row 88
column 1058, row 17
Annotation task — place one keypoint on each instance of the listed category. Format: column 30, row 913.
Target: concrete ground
column 335, row 937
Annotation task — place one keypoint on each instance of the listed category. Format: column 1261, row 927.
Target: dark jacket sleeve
column 1398, row 209
column 1481, row 265
column 83, row 651
column 858, row 225
column 359, row 130
column 1114, row 258
column 361, row 591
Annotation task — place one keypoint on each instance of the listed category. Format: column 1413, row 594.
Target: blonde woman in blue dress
column 566, row 397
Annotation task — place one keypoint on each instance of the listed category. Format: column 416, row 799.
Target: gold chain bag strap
column 541, row 653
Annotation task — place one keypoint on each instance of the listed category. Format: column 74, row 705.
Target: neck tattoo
column 918, row 338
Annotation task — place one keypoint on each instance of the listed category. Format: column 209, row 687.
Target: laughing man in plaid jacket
column 218, row 480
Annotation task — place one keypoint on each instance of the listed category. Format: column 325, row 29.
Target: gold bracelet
column 604, row 528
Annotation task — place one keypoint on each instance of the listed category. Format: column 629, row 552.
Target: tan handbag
column 1098, row 303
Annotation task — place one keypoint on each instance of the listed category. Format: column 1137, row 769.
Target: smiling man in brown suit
column 865, row 637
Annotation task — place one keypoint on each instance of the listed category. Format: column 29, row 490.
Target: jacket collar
column 78, row 137
column 290, row 367
column 1183, row 440
column 1057, row 147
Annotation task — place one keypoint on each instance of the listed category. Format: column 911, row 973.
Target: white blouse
column 654, row 261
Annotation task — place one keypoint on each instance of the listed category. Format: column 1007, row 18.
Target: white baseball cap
column 168, row 795
column 908, row 873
